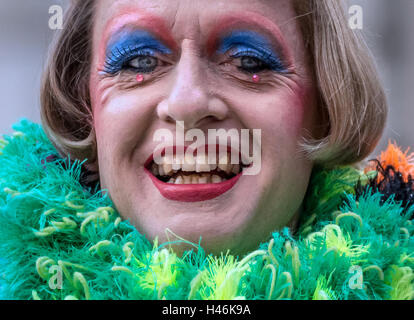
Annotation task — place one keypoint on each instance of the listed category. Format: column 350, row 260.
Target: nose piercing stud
column 256, row 78
column 140, row 78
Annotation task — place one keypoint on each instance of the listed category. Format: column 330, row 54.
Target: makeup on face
column 133, row 23
column 253, row 28
column 133, row 49
column 137, row 44
column 199, row 178
column 253, row 48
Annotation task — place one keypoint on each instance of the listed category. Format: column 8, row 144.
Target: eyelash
column 119, row 59
column 268, row 60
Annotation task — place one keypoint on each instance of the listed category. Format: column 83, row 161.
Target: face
column 222, row 64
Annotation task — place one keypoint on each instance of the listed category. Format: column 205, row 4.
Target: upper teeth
column 199, row 164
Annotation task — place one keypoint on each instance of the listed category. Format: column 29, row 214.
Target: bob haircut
column 352, row 102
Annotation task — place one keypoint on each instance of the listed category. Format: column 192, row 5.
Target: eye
column 137, row 60
column 143, row 64
column 254, row 61
column 252, row 64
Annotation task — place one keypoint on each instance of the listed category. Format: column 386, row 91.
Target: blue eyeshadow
column 253, row 44
column 129, row 44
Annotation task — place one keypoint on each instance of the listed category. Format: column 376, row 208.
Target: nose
column 190, row 99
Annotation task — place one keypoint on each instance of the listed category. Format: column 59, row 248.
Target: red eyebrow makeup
column 252, row 21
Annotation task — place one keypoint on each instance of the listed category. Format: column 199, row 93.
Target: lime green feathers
column 61, row 241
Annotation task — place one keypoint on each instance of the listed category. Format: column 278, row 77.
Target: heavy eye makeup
column 241, row 53
column 250, row 52
column 137, row 51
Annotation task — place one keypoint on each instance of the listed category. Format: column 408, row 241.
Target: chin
column 217, row 226
column 212, row 238
column 188, row 207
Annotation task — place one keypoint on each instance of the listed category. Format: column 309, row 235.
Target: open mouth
column 195, row 171
column 195, row 178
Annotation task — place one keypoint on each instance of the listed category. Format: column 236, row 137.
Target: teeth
column 189, row 164
column 223, row 160
column 222, row 165
column 161, row 170
column 154, row 169
column 212, row 160
column 202, row 165
column 215, row 179
column 194, row 179
column 205, row 178
column 167, row 166
column 176, row 165
column 187, row 179
column 199, row 164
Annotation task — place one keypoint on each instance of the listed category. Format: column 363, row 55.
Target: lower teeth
column 196, row 179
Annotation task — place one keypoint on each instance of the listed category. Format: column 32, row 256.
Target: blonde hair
column 350, row 94
column 350, row 91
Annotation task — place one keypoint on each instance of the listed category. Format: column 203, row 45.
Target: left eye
column 252, row 64
column 144, row 64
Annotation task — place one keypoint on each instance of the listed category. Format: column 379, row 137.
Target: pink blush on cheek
column 300, row 112
column 286, row 112
column 101, row 90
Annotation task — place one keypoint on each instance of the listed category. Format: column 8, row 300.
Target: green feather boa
column 60, row 241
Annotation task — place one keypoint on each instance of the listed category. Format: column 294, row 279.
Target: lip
column 190, row 192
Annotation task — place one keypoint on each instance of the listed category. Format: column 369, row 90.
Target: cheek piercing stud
column 140, row 78
column 256, row 78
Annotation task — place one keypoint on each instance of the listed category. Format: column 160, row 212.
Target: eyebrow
column 252, row 22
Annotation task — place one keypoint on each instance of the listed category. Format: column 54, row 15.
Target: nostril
column 206, row 120
column 210, row 118
column 169, row 119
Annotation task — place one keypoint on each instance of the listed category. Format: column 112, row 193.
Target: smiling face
column 238, row 64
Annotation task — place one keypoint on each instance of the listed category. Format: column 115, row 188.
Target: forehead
column 192, row 18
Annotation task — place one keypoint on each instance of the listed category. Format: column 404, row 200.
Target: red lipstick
column 190, row 192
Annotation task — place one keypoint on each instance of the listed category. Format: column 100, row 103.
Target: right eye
column 137, row 60
column 143, row 64
column 252, row 64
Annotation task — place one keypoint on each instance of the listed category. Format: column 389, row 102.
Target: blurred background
column 25, row 36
